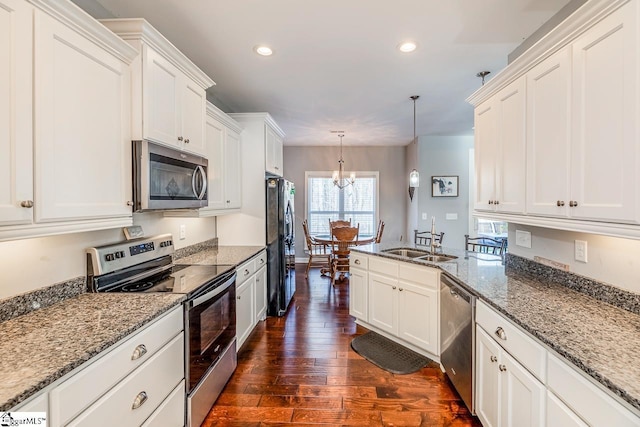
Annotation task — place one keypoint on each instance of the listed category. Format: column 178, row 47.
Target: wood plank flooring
column 300, row 370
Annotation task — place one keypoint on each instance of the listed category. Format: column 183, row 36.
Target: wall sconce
column 414, row 181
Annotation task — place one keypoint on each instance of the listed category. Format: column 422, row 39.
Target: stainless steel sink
column 409, row 253
column 438, row 258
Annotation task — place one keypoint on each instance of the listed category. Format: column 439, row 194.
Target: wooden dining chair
column 339, row 223
column 423, row 238
column 376, row 238
column 342, row 238
column 319, row 253
column 485, row 245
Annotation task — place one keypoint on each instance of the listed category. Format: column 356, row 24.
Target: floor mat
column 389, row 355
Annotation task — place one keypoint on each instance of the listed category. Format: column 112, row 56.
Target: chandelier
column 338, row 176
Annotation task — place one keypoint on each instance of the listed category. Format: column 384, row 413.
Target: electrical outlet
column 523, row 238
column 424, row 216
column 183, row 231
column 580, row 250
column 451, row 216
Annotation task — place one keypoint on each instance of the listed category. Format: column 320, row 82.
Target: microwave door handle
column 199, row 170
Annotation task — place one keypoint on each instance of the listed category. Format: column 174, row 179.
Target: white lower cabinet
column 128, row 383
column 521, row 383
column 251, row 295
column 508, row 395
column 398, row 299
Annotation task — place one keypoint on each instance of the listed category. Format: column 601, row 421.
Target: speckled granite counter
column 600, row 339
column 39, row 347
column 222, row 255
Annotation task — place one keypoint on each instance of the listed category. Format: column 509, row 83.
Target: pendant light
column 414, row 176
column 338, row 176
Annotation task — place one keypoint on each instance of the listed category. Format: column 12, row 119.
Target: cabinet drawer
column 357, row 260
column 156, row 378
column 421, row 275
column 260, row 260
column 585, row 398
column 171, row 412
column 528, row 352
column 83, row 388
column 245, row 271
column 384, row 266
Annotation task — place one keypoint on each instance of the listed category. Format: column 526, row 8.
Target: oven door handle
column 212, row 294
column 199, row 170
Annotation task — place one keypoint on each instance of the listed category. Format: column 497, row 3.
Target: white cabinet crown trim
column 578, row 22
column 222, row 117
column 80, row 21
column 140, row 29
column 264, row 116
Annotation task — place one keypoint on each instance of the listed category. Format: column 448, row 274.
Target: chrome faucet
column 434, row 245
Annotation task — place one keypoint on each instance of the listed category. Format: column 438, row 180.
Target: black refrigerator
column 281, row 279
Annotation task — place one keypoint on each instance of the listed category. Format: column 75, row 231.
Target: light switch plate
column 523, row 238
column 451, row 216
column 424, row 216
column 183, row 232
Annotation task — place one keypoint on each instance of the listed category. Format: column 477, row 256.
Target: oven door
column 210, row 322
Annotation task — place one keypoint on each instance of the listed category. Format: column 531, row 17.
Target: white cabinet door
column 216, row 170
column 522, row 396
column 273, row 146
column 383, row 302
column 193, row 115
column 161, row 101
column 82, row 127
column 16, row 139
column 418, row 316
column 605, row 166
column 358, row 294
column 261, row 292
column 487, row 380
column 510, row 156
column 548, row 135
column 486, row 146
column 559, row 415
column 245, row 303
column 232, row 170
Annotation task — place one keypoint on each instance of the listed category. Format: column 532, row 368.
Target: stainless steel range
column 145, row 265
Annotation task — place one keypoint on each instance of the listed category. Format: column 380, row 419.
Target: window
column 357, row 202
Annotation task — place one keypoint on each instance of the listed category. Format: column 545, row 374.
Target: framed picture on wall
column 444, row 186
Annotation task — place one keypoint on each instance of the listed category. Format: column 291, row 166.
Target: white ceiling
column 336, row 64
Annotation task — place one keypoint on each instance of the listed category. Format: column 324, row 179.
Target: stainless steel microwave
column 166, row 178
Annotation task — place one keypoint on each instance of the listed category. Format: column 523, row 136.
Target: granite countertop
column 39, row 347
column 599, row 338
column 222, row 255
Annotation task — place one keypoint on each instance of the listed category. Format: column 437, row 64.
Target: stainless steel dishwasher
column 457, row 337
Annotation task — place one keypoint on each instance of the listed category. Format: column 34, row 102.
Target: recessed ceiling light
column 407, row 47
column 263, row 50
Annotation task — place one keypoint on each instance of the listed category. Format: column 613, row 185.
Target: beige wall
column 31, row 264
column 388, row 161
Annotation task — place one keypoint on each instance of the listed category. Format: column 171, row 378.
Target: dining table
column 363, row 239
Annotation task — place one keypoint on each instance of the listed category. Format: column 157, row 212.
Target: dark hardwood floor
column 300, row 370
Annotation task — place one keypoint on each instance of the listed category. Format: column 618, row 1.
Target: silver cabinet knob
column 277, row 168
column 573, row 203
column 560, row 203
column 490, row 202
column 246, row 272
column 393, row 287
column 357, row 262
column 494, row 359
column 239, row 296
column 502, row 368
column 129, row 203
column 180, row 138
column 401, row 289
column 186, row 140
column 228, row 201
column 139, row 351
column 500, row 333
column 261, row 261
column 496, row 202
column 139, row 400
column 26, row 203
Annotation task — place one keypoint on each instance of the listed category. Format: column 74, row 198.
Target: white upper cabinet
column 16, row 140
column 65, row 162
column 169, row 98
column 274, row 156
column 500, row 151
column 582, row 126
column 605, row 139
column 548, row 135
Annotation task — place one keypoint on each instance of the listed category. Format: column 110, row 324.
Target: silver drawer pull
column 139, row 351
column 494, row 359
column 357, row 262
column 500, row 333
column 401, row 289
column 393, row 287
column 502, row 368
column 26, row 203
column 261, row 261
column 246, row 272
column 139, row 400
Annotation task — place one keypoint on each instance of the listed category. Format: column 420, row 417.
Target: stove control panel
column 108, row 258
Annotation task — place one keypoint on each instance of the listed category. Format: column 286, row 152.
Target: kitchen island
column 600, row 339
